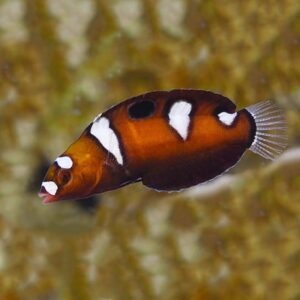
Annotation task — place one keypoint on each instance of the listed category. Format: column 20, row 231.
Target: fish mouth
column 47, row 198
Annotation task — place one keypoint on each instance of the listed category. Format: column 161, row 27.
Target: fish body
column 169, row 140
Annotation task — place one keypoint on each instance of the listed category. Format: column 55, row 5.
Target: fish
column 168, row 140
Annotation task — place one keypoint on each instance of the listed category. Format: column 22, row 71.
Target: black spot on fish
column 141, row 109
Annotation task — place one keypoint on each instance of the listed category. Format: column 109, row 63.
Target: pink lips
column 47, row 198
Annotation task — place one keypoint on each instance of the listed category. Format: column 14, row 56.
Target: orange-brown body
column 154, row 152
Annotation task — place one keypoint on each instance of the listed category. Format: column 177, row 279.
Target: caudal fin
column 270, row 138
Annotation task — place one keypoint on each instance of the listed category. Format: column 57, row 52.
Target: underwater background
column 64, row 61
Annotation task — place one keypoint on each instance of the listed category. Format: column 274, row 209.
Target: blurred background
column 64, row 61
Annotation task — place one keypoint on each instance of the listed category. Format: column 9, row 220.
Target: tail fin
column 270, row 136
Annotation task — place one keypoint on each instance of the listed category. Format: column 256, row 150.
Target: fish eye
column 63, row 177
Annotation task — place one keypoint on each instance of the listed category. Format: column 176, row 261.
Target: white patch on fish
column 179, row 117
column 50, row 186
column 65, row 162
column 107, row 137
column 227, row 118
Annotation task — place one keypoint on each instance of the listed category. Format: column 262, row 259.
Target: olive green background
column 64, row 61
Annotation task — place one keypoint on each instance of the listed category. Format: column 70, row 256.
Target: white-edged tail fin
column 270, row 138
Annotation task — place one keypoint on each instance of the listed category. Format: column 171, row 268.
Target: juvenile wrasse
column 168, row 140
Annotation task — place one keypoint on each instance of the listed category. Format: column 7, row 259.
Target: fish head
column 74, row 174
